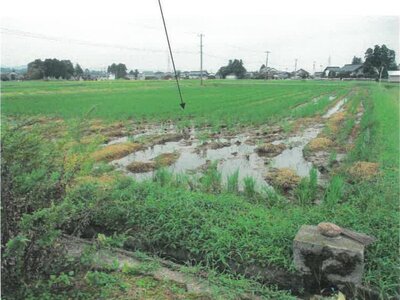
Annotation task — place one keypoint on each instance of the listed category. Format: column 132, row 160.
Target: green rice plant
column 211, row 181
column 181, row 180
column 334, row 191
column 155, row 101
column 306, row 191
column 233, row 182
column 249, row 186
column 332, row 158
column 273, row 198
column 163, row 176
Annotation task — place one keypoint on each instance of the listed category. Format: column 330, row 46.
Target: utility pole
column 168, row 63
column 266, row 65
column 295, row 65
column 329, row 61
column 313, row 67
column 201, row 58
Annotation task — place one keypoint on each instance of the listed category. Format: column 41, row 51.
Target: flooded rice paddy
column 231, row 154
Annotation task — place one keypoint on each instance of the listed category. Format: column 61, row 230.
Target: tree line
column 60, row 69
column 64, row 69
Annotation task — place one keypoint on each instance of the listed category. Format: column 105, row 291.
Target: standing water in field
column 231, row 155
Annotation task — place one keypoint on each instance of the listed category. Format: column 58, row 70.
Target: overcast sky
column 98, row 33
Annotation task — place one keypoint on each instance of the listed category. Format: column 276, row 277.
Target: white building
column 393, row 76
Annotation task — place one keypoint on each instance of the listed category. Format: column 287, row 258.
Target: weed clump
column 166, row 159
column 285, row 179
column 335, row 122
column 270, row 149
column 363, row 171
column 319, row 144
column 116, row 151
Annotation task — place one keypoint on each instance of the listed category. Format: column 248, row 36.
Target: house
column 331, row 72
column 251, row 75
column 281, row 75
column 147, row 75
column 269, row 72
column 318, row 75
column 185, row 74
column 159, row 75
column 197, row 74
column 168, row 76
column 394, row 76
column 350, row 70
column 231, row 76
column 111, row 76
column 300, row 73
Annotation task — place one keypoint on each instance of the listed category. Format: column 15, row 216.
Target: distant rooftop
column 350, row 68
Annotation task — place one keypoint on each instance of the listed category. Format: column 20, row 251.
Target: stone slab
column 334, row 260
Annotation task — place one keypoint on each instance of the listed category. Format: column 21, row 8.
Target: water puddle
column 292, row 157
column 337, row 108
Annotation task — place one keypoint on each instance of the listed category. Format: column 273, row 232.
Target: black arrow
column 182, row 104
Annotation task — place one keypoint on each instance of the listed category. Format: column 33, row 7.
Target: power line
column 27, row 34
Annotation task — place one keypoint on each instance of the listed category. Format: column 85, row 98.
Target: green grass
column 249, row 102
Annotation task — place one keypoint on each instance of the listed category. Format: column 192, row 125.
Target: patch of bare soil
column 302, row 123
column 141, row 167
column 162, row 139
column 363, row 171
column 321, row 160
column 254, row 139
column 166, row 159
column 116, row 151
column 218, row 145
column 285, row 179
column 214, row 145
column 270, row 150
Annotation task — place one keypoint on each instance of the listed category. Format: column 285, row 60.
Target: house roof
column 194, row 73
column 300, row 71
column 351, row 68
column 334, row 69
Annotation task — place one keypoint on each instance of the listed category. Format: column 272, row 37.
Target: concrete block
column 326, row 259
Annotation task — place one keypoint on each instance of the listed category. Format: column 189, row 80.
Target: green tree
column 234, row 67
column 378, row 61
column 118, row 70
column 78, row 70
column 35, row 70
column 356, row 60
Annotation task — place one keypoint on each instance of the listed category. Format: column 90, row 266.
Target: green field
column 244, row 102
column 51, row 184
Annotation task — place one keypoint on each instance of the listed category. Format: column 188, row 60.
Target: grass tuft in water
column 233, row 182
